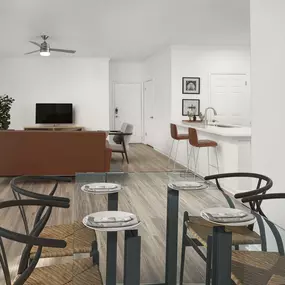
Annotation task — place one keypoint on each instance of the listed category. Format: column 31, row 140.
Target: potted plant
column 5, row 107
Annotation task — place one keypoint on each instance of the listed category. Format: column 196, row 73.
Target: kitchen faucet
column 206, row 114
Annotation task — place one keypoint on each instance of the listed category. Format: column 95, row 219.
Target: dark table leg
column 113, row 201
column 209, row 260
column 171, row 237
column 111, row 268
column 132, row 258
column 222, row 256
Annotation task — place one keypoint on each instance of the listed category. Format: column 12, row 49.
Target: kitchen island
column 234, row 151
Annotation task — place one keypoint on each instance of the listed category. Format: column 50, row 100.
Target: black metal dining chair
column 200, row 229
column 257, row 199
column 79, row 238
column 257, row 191
column 79, row 271
column 25, row 268
column 250, row 264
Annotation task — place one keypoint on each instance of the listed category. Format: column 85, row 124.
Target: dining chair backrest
column 261, row 180
column 193, row 137
column 20, row 192
column 258, row 198
column 25, row 267
column 275, row 230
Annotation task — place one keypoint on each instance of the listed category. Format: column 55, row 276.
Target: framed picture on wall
column 190, row 105
column 191, row 85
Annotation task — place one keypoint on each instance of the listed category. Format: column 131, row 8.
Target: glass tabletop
column 145, row 195
column 257, row 253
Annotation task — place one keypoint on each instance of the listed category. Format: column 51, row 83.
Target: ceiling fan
column 45, row 48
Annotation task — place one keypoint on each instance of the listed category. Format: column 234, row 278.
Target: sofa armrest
column 108, row 156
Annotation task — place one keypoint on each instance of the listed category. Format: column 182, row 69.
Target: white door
column 149, row 105
column 128, row 108
column 230, row 97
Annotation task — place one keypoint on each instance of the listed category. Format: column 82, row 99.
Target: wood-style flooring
column 144, row 194
column 142, row 158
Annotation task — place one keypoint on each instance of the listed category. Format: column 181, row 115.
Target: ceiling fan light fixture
column 44, row 48
column 45, row 53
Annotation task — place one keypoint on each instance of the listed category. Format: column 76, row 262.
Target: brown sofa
column 53, row 153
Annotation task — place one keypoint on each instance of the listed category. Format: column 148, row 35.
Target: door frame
column 114, row 101
column 143, row 86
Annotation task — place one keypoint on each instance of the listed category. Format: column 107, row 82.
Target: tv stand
column 54, row 128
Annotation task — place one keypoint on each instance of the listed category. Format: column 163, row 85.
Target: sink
column 222, row 125
column 225, row 126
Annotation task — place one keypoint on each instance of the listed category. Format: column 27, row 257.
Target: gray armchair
column 122, row 139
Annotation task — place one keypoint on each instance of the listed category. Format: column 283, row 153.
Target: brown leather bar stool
column 196, row 143
column 176, row 137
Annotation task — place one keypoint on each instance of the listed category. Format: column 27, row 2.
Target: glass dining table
column 151, row 252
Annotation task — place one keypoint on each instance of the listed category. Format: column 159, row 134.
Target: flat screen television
column 54, row 113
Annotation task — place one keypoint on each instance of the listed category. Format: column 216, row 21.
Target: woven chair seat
column 201, row 229
column 78, row 272
column 78, row 238
column 258, row 268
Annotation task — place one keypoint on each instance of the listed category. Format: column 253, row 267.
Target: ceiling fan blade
column 32, row 51
column 35, row 43
column 63, row 50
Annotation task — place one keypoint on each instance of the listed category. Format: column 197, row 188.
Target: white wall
column 200, row 61
column 158, row 68
column 267, row 66
column 81, row 81
column 126, row 71
column 123, row 72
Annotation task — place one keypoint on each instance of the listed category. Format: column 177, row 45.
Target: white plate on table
column 102, row 216
column 219, row 210
column 101, row 188
column 187, row 185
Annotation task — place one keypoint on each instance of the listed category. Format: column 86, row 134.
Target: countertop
column 235, row 132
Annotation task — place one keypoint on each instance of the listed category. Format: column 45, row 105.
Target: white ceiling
column 121, row 29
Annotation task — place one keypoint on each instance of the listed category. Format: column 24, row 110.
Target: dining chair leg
column 95, row 253
column 217, row 158
column 196, row 163
column 169, row 157
column 123, row 156
column 174, row 166
column 183, row 249
column 189, row 159
column 208, row 153
column 187, row 149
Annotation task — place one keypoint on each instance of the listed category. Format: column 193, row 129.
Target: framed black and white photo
column 191, row 85
column 191, row 106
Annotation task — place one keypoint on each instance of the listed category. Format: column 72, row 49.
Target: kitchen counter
column 235, row 131
column 234, row 151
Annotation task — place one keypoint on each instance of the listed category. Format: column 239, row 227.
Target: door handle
column 151, row 117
